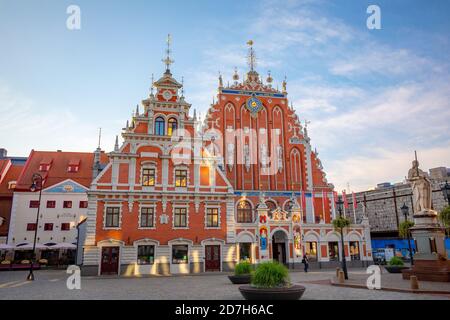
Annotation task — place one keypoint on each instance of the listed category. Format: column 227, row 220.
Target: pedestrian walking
column 305, row 261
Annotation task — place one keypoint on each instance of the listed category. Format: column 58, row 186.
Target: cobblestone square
column 51, row 285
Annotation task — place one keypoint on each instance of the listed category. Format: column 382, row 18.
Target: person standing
column 305, row 261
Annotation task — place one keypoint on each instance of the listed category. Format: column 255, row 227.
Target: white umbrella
column 29, row 246
column 4, row 246
column 64, row 245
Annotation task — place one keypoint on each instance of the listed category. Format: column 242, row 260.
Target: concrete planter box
column 294, row 292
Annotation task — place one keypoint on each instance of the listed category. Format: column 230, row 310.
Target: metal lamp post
column 36, row 184
column 344, row 262
column 405, row 211
column 446, row 191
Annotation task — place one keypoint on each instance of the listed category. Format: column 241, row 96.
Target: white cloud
column 377, row 59
column 25, row 126
column 382, row 165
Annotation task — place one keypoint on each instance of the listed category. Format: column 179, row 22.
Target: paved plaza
column 51, row 284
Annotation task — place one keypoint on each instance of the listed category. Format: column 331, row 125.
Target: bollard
column 414, row 282
column 337, row 272
column 341, row 277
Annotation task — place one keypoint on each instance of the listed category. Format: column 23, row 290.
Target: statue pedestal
column 430, row 263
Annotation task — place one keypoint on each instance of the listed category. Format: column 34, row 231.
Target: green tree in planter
column 444, row 217
column 270, row 275
column 341, row 223
column 243, row 267
column 403, row 228
column 396, row 261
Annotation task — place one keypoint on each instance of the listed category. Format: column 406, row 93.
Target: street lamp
column 36, row 184
column 405, row 211
column 344, row 262
column 446, row 191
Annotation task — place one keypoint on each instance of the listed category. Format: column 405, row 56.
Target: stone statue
column 421, row 188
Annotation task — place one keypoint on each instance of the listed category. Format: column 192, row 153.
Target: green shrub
column 243, row 267
column 444, row 217
column 403, row 228
column 270, row 275
column 340, row 222
column 396, row 261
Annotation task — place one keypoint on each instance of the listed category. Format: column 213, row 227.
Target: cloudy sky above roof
column 372, row 96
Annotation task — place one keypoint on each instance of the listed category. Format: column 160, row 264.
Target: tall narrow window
column 146, row 254
column 244, row 212
column 147, row 215
column 212, row 217
column 148, row 177
column 112, row 217
column 160, row 129
column 180, row 218
column 180, row 178
column 172, row 125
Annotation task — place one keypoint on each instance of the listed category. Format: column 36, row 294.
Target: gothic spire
column 251, row 57
column 116, row 145
column 167, row 60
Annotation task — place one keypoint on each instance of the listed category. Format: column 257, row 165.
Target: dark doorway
column 245, row 251
column 212, row 258
column 110, row 260
column 279, row 247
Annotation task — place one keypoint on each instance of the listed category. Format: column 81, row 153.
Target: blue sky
column 372, row 96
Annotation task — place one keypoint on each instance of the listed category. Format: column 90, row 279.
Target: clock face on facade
column 167, row 95
column 254, row 105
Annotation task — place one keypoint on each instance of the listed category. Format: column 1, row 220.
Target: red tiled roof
column 58, row 170
column 12, row 174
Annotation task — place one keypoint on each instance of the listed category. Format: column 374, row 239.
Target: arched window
column 172, row 126
column 160, row 126
column 244, row 212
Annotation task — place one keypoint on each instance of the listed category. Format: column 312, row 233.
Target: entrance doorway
column 212, row 258
column 110, row 260
column 279, row 240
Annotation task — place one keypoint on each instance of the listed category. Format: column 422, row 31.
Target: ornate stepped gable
column 252, row 104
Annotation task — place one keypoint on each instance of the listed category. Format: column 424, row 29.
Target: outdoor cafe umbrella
column 29, row 246
column 64, row 245
column 4, row 246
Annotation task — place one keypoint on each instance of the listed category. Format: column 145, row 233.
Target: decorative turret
column 269, row 79
column 235, row 76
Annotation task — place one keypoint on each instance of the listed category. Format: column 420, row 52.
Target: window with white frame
column 212, row 217
column 148, row 177
column 180, row 254
column 112, row 217
column 147, row 217
column 180, row 177
column 180, row 217
column 145, row 254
